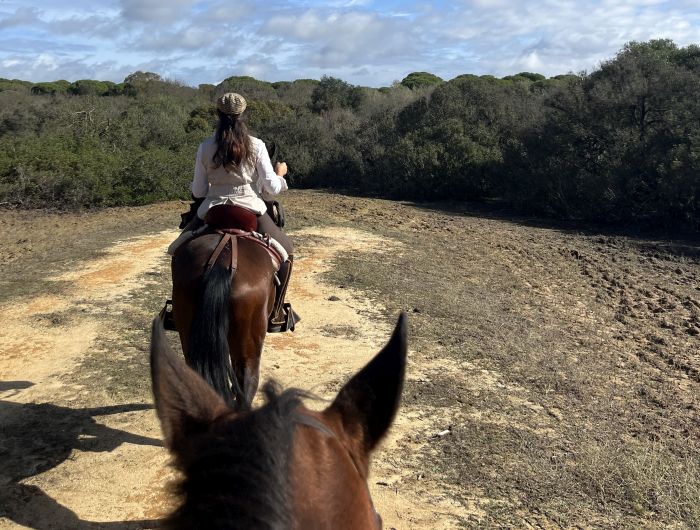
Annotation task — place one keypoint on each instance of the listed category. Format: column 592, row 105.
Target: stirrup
column 287, row 323
column 168, row 318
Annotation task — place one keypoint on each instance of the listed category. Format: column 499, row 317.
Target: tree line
column 619, row 144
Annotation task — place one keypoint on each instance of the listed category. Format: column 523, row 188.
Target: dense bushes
column 619, row 144
column 83, row 151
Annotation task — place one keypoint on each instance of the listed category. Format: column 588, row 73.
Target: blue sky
column 362, row 41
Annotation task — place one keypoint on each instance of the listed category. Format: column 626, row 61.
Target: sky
column 365, row 42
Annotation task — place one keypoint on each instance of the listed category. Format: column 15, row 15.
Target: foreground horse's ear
column 368, row 402
column 185, row 403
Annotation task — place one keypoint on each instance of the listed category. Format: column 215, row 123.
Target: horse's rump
column 220, row 315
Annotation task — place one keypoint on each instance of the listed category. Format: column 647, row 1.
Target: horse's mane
column 236, row 475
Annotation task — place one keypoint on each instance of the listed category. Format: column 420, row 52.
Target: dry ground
column 553, row 378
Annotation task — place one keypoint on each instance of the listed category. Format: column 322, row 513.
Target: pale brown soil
column 112, row 469
column 552, row 383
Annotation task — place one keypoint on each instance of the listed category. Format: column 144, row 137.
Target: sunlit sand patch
column 121, row 266
column 40, row 354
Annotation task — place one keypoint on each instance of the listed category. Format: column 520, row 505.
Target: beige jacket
column 242, row 186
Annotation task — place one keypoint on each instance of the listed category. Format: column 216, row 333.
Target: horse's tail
column 209, row 351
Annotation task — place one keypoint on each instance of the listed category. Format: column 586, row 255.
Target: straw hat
column 231, row 103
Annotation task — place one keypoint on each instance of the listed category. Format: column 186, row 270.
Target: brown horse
column 280, row 466
column 221, row 315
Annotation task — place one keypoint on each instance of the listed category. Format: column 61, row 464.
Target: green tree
column 89, row 87
column 416, row 80
column 333, row 93
column 142, row 77
column 52, row 88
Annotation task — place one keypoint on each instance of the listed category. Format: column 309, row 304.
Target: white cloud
column 11, row 63
column 155, row 10
column 188, row 38
column 340, row 39
column 362, row 41
column 22, row 16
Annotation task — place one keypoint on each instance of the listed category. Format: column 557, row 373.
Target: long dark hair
column 233, row 146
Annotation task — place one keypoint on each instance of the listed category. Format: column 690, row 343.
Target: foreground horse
column 222, row 315
column 281, row 466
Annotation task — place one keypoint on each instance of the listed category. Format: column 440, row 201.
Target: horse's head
column 281, row 466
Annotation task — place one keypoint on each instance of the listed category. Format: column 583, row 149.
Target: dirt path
column 86, row 462
column 81, row 457
column 560, row 366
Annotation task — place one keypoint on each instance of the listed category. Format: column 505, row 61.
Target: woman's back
column 235, row 176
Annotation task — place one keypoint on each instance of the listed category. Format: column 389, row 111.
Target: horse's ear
column 367, row 404
column 185, row 403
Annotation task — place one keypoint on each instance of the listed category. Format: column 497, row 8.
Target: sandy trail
column 113, row 471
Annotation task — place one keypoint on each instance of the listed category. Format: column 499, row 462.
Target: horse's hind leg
column 247, row 374
column 251, row 377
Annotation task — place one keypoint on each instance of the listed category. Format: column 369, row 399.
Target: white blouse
column 242, row 186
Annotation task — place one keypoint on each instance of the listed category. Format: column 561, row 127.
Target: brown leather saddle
column 232, row 223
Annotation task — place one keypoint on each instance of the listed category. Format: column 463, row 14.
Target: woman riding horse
column 224, row 295
column 232, row 168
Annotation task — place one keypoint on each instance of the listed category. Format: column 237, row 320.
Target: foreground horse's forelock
column 280, row 466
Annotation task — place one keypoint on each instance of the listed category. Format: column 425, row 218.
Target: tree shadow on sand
column 36, row 437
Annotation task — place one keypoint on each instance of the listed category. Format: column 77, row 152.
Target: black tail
column 209, row 352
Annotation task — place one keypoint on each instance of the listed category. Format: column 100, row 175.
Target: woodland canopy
column 619, row 144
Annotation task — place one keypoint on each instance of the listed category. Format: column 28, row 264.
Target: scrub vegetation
column 619, row 144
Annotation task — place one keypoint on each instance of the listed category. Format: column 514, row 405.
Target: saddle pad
column 278, row 254
column 276, row 251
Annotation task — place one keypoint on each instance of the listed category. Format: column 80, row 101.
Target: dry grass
column 562, row 412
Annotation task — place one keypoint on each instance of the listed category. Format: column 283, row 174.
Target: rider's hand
column 281, row 169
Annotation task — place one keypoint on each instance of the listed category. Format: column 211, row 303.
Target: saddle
column 233, row 223
column 274, row 209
